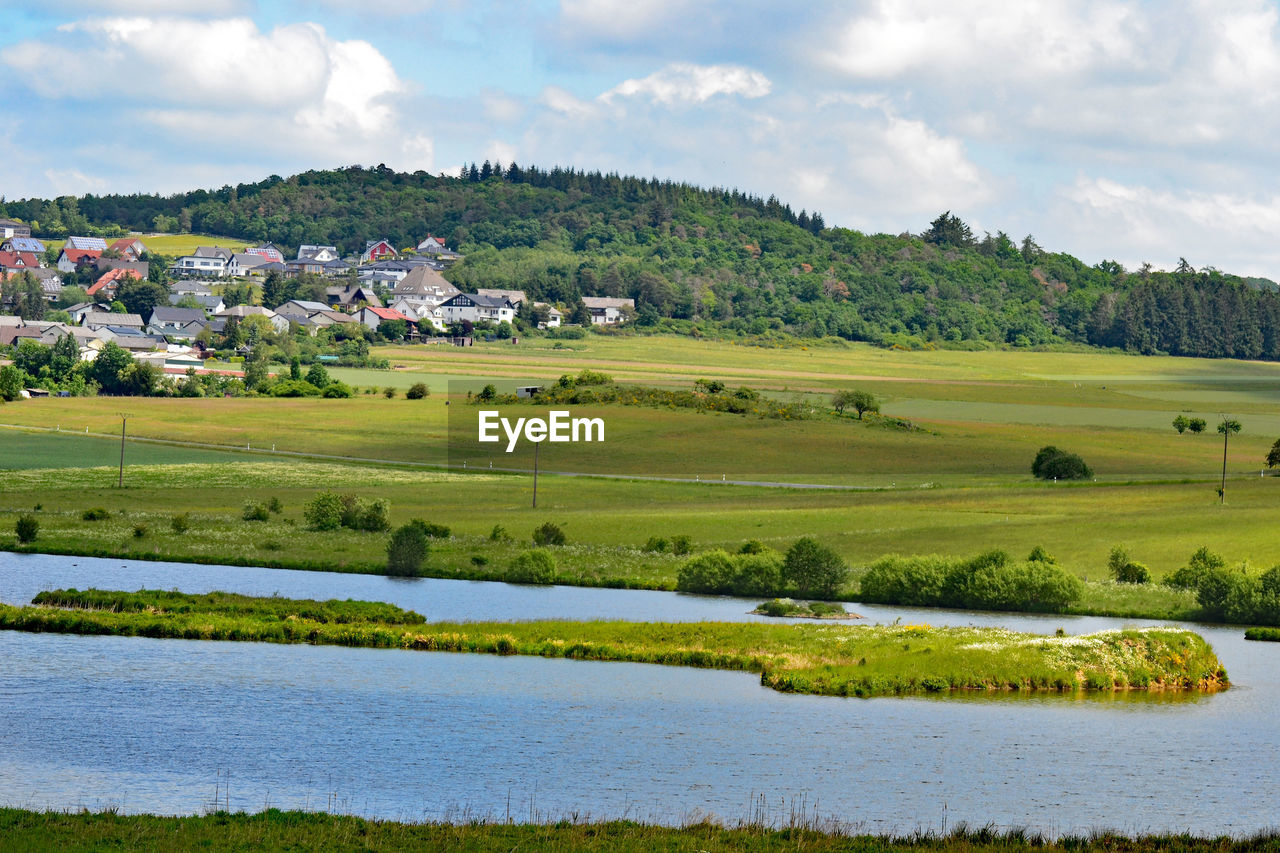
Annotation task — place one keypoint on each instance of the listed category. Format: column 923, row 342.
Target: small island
column 829, row 659
column 788, row 608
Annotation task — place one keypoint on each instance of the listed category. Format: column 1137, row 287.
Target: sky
column 1133, row 131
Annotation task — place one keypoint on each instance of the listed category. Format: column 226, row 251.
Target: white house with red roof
column 129, row 247
column 374, row 317
column 70, row 258
column 18, row 261
column 109, row 282
column 376, row 250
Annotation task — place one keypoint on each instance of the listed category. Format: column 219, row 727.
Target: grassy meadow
column 957, row 485
column 828, row 660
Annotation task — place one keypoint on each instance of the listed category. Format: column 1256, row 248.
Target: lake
column 162, row 725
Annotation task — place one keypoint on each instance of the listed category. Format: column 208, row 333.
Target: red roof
column 81, row 256
column 112, row 276
column 124, row 244
column 22, row 260
column 388, row 314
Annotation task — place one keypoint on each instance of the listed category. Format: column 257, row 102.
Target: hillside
column 718, row 261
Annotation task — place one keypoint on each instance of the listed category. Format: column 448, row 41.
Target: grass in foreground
column 274, row 830
column 829, row 660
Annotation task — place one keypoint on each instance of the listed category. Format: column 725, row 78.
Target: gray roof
column 483, row 301
column 86, row 243
column 26, row 244
column 161, row 314
column 212, row 252
column 111, row 319
column 187, row 285
column 207, row 300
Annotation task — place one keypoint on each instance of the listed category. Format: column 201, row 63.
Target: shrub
column 1054, row 464
column 1196, row 425
column 753, row 546
column 435, row 531
column 140, row 531
column 407, row 549
column 757, row 574
column 498, row 534
column 1180, row 423
column 95, row 514
column 1124, row 570
column 180, row 523
column 1029, row 587
column 27, row 528
column 389, row 392
column 548, row 533
column 681, row 545
column 779, row 607
column 479, row 560
column 1189, row 576
column 709, row 572
column 911, row 581
column 255, row 512
column 537, row 567
column 337, row 390
column 417, row 391
column 656, row 545
column 814, row 570
column 371, row 516
column 323, row 512
column 1040, row 555
column 275, row 506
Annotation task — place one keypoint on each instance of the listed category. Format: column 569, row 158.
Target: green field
column 173, row 245
column 958, row 485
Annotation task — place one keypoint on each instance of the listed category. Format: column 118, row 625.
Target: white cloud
column 1134, row 223
column 140, row 7
column 624, row 19
column 688, row 83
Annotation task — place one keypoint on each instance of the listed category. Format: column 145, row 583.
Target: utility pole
column 124, row 419
column 1227, row 427
column 536, row 445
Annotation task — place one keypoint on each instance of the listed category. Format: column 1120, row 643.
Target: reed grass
column 273, row 830
column 273, row 608
column 823, row 659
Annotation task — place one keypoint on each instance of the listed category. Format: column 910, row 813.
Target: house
column 70, row 259
column 608, row 310
column 112, row 320
column 205, row 261
column 420, row 311
column 13, row 228
column 166, row 320
column 208, row 302
column 243, row 263
column 130, row 248
column 474, row 308
column 425, row 284
column 555, row 318
column 280, row 324
column 301, row 308
column 142, row 268
column 193, row 287
column 434, row 248
column 515, row 297
column 319, row 254
column 374, row 317
column 78, row 311
column 104, row 289
column 376, row 250
column 18, row 261
column 93, row 244
column 50, row 283
column 270, row 251
column 11, row 336
column 23, row 244
column 133, row 339
column 350, row 296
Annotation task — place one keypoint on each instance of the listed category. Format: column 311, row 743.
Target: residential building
column 104, row 289
column 94, row 244
column 18, row 261
column 350, row 296
column 374, row 317
column 167, row 320
column 23, row 244
column 270, row 251
column 69, row 259
column 377, row 250
column 608, row 310
column 243, row 263
column 13, row 228
column 515, row 297
column 320, row 254
column 130, row 248
column 209, row 303
column 474, row 308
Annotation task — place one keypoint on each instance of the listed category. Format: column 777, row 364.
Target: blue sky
column 1127, row 130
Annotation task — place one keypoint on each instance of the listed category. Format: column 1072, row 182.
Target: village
column 384, row 293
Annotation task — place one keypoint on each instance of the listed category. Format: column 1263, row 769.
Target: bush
column 779, row 607
column 681, row 545
column 435, row 531
column 95, row 514
column 1189, row 576
column 814, row 570
column 337, row 390
column 757, row 574
column 753, row 546
column 180, row 523
column 140, row 531
column 370, row 516
column 1040, row 555
column 1196, row 425
column 1054, row 464
column 910, row 581
column 656, row 545
column 323, row 512
column 1029, row 587
column 407, row 549
column 1124, row 570
column 417, row 391
column 498, row 534
column 479, row 560
column 27, row 528
column 389, row 392
column 709, row 572
column 988, row 582
column 255, row 512
column 275, row 506
column 548, row 533
column 537, row 567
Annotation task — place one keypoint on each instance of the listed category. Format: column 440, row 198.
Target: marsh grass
column 161, row 602
column 272, row 830
column 834, row 660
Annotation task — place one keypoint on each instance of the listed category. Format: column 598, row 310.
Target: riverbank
column 275, row 830
column 832, row 660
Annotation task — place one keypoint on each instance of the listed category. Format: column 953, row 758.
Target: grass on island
column 274, row 830
column 1270, row 635
column 831, row 660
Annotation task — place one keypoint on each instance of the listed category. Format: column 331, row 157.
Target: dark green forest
column 717, row 261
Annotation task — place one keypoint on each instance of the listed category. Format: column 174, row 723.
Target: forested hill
column 717, row 259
